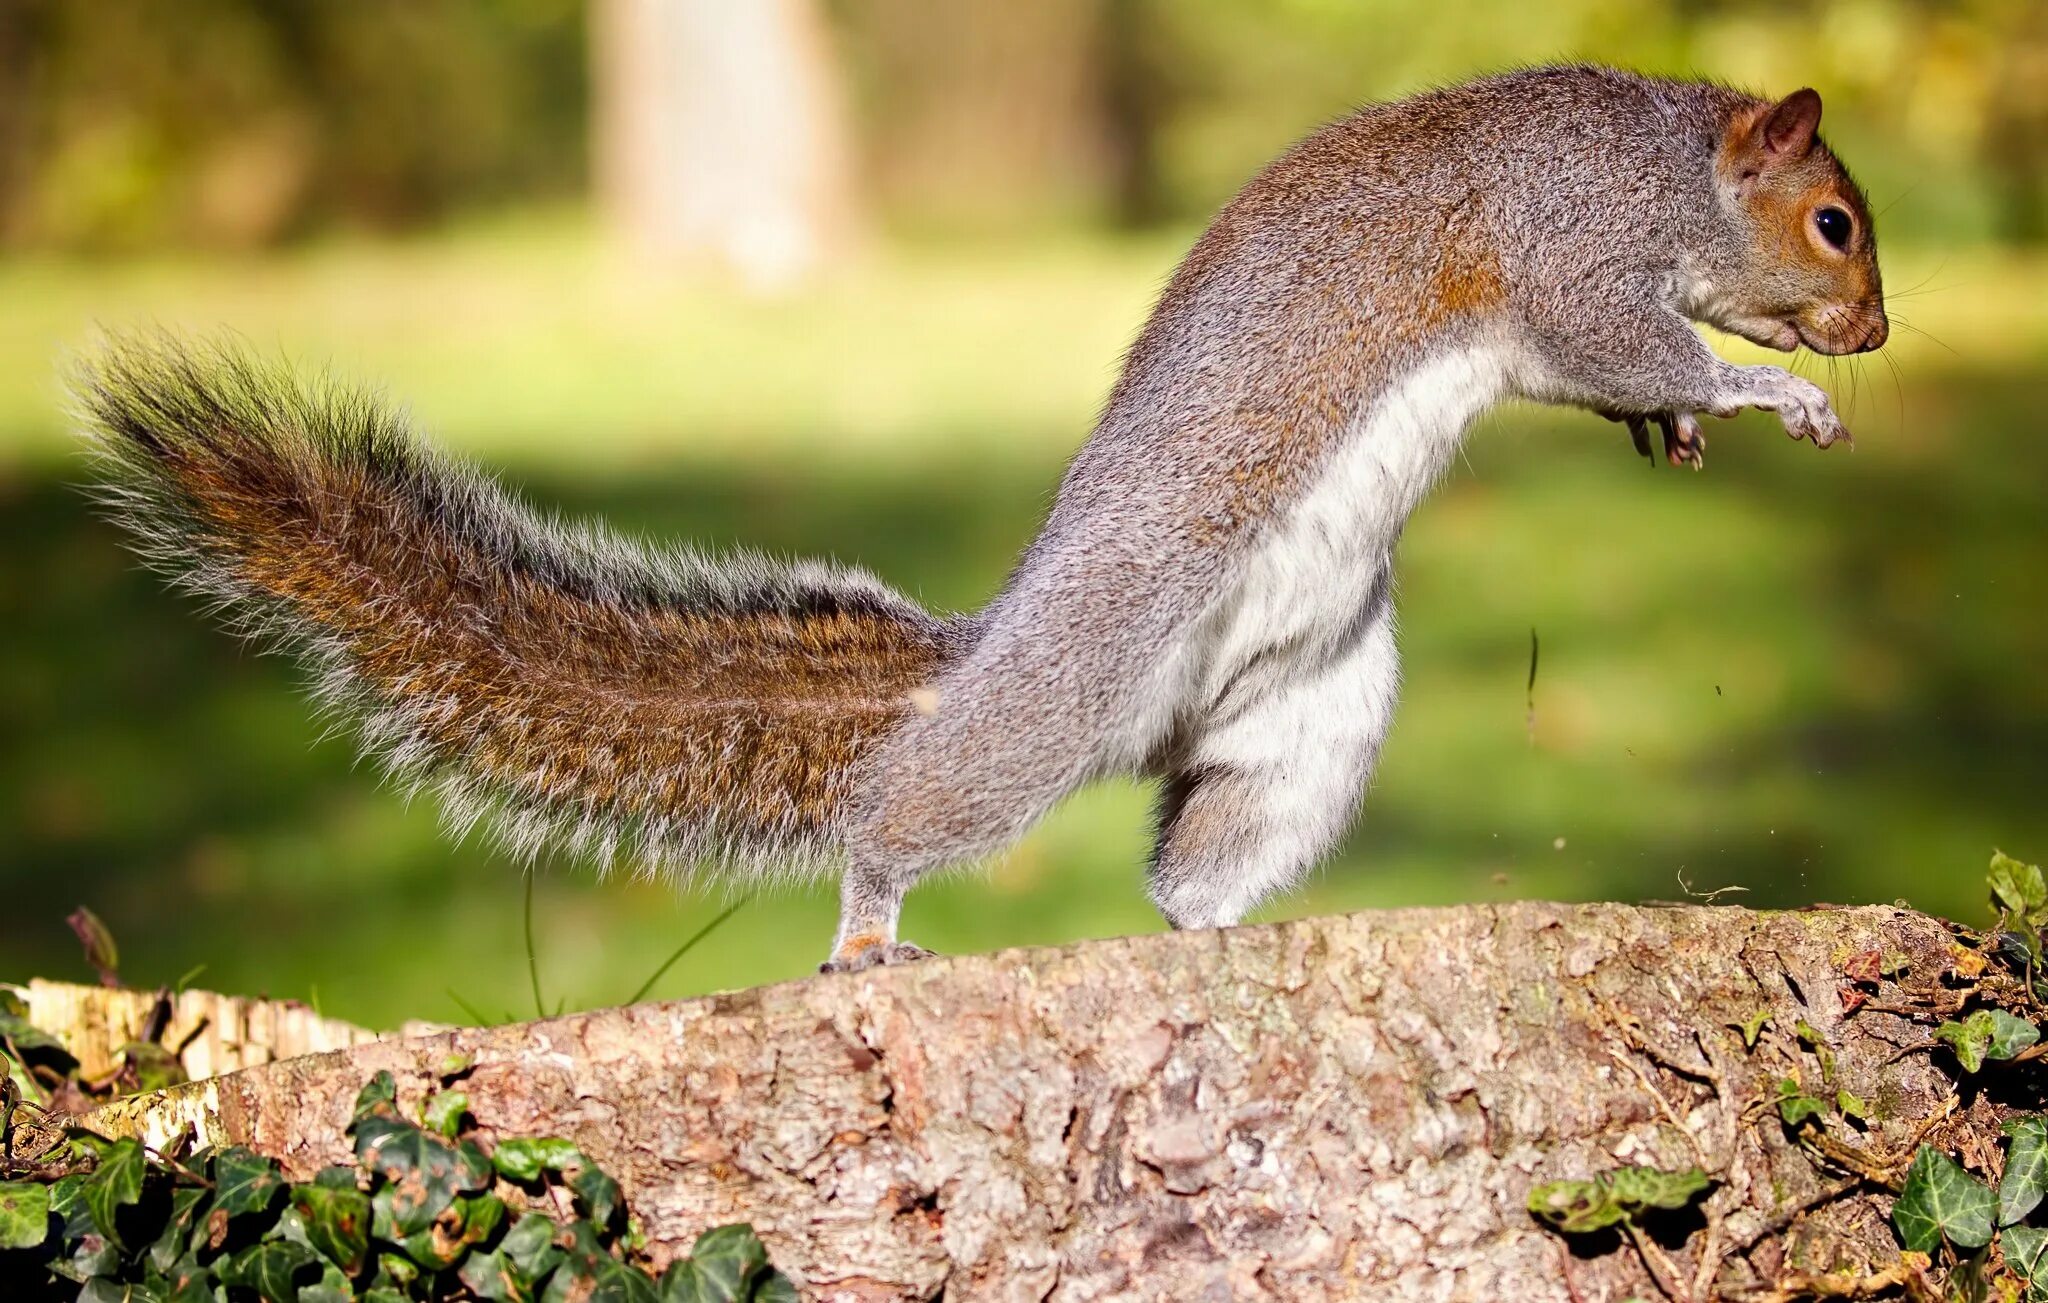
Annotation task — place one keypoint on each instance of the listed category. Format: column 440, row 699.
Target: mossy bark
column 1334, row 1108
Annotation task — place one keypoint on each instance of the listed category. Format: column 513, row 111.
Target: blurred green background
column 876, row 328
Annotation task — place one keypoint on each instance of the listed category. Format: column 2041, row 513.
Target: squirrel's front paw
column 1802, row 405
column 872, row 952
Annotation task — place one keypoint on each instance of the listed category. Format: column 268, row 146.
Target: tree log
column 1334, row 1108
column 213, row 1034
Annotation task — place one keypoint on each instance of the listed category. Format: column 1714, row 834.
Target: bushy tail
column 662, row 707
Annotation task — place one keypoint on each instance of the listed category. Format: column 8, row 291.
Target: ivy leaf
column 525, row 1158
column 244, row 1181
column 1752, row 1027
column 596, row 1193
column 378, row 1097
column 185, row 1281
column 1852, row 1106
column 115, row 1184
column 530, row 1246
column 725, row 1259
column 2026, row 1252
column 98, row 942
column 332, row 1287
column 423, row 1173
column 1795, row 1106
column 2019, row 889
column 590, row 1274
column 444, row 1112
column 1579, row 1207
column 2026, row 1171
column 337, row 1223
column 2009, row 1035
column 30, row 1041
column 1970, row 1039
column 1940, row 1199
column 775, row 1288
column 175, row 1241
column 24, row 1214
column 268, row 1267
column 493, row 1276
column 100, row 1289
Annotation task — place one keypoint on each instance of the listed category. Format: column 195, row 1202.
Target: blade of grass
column 540, row 1008
column 689, row 945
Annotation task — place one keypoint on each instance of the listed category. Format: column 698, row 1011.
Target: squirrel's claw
column 1685, row 444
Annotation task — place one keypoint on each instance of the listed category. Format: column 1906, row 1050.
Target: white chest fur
column 1301, row 595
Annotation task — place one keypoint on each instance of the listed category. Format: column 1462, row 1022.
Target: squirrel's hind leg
column 1258, row 798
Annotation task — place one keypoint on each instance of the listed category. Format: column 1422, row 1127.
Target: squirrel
column 1209, row 599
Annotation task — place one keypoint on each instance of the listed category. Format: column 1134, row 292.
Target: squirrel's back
column 574, row 687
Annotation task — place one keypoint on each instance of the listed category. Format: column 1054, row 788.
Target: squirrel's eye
column 1833, row 225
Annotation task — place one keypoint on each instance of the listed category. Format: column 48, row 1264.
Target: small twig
column 1564, row 1270
column 1663, row 1272
column 1789, row 1289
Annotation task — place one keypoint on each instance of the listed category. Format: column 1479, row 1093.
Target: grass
column 1812, row 676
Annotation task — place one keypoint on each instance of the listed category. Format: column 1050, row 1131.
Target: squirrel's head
column 1808, row 271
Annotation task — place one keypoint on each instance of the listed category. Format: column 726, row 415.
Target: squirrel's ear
column 1788, row 130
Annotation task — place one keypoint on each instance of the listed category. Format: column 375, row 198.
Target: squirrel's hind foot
column 875, row 955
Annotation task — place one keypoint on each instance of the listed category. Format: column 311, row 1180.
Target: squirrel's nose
column 1880, row 330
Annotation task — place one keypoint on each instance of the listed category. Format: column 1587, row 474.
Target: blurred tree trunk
column 720, row 134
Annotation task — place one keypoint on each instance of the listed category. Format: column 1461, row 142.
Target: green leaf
column 775, row 1288
column 1633, row 1187
column 1940, row 1200
column 185, row 1281
column 269, row 1267
column 1752, row 1027
column 115, row 1184
column 176, row 1238
column 245, row 1181
column 337, row 1223
column 24, row 1214
column 2026, row 1171
column 2019, row 889
column 589, row 1273
column 444, row 1112
column 494, row 1276
column 530, row 1245
column 525, row 1158
column 1795, row 1106
column 30, row 1040
column 596, row 1193
column 2009, row 1035
column 466, row 1223
column 1577, row 1207
column 332, row 1287
column 379, row 1096
column 2026, row 1252
column 102, row 1290
column 100, row 950
column 1852, row 1106
column 423, row 1173
column 1970, row 1039
column 726, row 1259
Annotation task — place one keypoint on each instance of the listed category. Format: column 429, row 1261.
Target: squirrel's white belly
column 1304, row 595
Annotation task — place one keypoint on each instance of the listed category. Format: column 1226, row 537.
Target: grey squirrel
column 1208, row 602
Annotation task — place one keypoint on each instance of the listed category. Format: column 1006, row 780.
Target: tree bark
column 1334, row 1108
